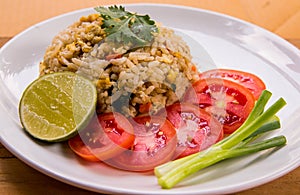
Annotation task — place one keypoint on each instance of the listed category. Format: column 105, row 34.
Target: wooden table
column 277, row 16
column 18, row 178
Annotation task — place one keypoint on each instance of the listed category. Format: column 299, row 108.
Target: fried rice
column 129, row 80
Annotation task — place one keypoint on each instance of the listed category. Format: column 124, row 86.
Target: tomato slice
column 196, row 129
column 155, row 144
column 106, row 136
column 228, row 101
column 248, row 80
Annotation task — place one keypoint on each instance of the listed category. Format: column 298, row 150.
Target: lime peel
column 57, row 105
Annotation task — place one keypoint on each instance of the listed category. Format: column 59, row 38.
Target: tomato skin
column 155, row 144
column 145, row 108
column 80, row 148
column 106, row 136
column 248, row 80
column 228, row 101
column 196, row 129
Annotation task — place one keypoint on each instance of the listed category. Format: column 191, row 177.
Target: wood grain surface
column 280, row 17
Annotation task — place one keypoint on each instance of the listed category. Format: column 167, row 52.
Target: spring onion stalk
column 237, row 144
column 273, row 124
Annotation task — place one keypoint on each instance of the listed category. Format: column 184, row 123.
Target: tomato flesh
column 154, row 144
column 106, row 136
column 227, row 101
column 248, row 80
column 218, row 103
column 196, row 129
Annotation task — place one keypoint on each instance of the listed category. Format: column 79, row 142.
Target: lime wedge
column 55, row 106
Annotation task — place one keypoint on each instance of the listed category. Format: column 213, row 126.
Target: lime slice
column 55, row 106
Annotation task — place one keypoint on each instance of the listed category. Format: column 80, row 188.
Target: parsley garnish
column 123, row 27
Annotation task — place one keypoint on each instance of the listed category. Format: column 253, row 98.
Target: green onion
column 237, row 144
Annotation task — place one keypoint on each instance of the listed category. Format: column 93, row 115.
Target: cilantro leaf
column 123, row 27
column 111, row 12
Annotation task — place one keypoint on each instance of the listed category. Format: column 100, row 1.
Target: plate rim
column 166, row 5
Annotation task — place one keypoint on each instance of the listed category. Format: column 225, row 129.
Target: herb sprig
column 123, row 27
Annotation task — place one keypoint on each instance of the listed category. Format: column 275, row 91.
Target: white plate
column 230, row 42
